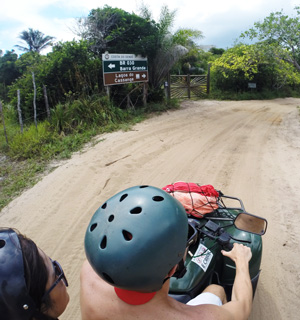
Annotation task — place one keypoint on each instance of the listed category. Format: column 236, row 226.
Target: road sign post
column 124, row 68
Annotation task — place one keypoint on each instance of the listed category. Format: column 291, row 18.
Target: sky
column 221, row 21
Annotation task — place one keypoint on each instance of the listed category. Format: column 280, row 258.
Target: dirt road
column 248, row 149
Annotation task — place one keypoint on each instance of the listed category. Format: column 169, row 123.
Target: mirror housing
column 250, row 223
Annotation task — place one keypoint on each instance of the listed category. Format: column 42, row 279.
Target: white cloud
column 217, row 19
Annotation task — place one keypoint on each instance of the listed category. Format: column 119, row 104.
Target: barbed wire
column 24, row 120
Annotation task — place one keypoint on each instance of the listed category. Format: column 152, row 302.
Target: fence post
column 189, row 85
column 19, row 110
column 34, row 99
column 145, row 87
column 46, row 101
column 208, row 79
column 169, row 87
column 2, row 115
column 107, row 92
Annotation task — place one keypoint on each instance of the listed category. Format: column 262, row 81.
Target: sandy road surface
column 246, row 149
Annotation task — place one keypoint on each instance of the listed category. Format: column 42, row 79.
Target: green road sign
column 124, row 68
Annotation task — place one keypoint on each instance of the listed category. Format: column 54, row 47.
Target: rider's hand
column 238, row 252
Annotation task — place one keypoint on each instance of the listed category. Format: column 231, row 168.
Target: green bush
column 82, row 113
column 29, row 144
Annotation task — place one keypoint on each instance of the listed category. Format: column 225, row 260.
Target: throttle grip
column 228, row 246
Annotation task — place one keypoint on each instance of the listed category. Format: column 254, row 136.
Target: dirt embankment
column 248, row 149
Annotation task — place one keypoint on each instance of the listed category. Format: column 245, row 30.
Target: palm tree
column 35, row 40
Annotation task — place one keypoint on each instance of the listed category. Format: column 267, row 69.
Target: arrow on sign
column 111, row 65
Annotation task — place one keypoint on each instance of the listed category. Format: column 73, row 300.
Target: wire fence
column 31, row 119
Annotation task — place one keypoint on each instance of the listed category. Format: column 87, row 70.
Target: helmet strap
column 181, row 270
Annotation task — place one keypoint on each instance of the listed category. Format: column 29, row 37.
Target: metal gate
column 188, row 86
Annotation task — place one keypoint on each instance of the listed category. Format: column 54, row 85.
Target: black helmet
column 136, row 237
column 15, row 302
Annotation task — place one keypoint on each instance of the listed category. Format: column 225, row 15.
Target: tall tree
column 253, row 63
column 279, row 30
column 8, row 71
column 115, row 30
column 36, row 41
column 171, row 46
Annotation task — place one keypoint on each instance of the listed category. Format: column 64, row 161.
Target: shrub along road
column 247, row 149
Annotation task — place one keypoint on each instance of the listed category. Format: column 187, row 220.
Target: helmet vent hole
column 108, row 278
column 123, row 197
column 111, row 218
column 144, row 187
column 158, row 198
column 136, row 210
column 127, row 235
column 104, row 206
column 2, row 243
column 103, row 243
column 93, row 227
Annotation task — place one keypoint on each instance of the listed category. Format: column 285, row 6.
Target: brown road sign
column 114, row 78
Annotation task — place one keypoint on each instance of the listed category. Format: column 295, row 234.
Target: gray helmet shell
column 136, row 237
column 15, row 302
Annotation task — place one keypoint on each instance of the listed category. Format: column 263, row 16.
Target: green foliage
column 115, row 30
column 29, row 62
column 28, row 154
column 69, row 71
column 8, row 72
column 16, row 176
column 72, row 71
column 216, row 51
column 184, row 37
column 282, row 31
column 264, row 94
column 251, row 63
column 172, row 46
column 194, row 62
column 162, row 107
column 29, row 144
column 80, row 114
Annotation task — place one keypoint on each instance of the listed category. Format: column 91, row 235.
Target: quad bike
column 208, row 235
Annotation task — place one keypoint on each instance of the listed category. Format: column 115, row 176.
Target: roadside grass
column 254, row 94
column 16, row 176
column 28, row 156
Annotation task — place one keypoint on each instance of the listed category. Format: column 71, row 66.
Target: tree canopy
column 115, row 30
column 253, row 63
column 36, row 41
column 279, row 30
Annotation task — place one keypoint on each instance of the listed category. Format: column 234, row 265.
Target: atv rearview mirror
column 251, row 223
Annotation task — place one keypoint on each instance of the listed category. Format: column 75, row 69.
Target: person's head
column 135, row 238
column 32, row 286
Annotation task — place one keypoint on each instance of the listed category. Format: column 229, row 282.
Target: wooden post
column 189, row 86
column 108, row 92
column 145, row 87
column 34, row 99
column 19, row 111
column 208, row 79
column 169, row 87
column 2, row 115
column 46, row 101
